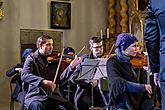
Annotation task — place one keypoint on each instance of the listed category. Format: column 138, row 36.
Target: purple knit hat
column 124, row 40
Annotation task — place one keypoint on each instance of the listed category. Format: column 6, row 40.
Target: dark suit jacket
column 16, row 78
column 83, row 89
column 126, row 85
column 34, row 71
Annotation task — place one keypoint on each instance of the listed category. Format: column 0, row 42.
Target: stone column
column 124, row 16
column 111, row 16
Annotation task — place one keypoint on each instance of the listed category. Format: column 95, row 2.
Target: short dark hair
column 95, row 39
column 42, row 40
column 68, row 49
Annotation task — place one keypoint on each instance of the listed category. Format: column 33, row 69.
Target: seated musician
column 39, row 73
column 15, row 73
column 83, row 95
column 67, row 88
column 125, row 87
column 69, row 54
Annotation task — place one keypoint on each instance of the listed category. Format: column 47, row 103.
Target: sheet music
column 88, row 69
column 93, row 69
column 101, row 69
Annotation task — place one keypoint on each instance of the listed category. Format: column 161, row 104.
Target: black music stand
column 92, row 69
column 101, row 71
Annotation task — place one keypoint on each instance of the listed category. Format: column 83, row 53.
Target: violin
column 139, row 61
column 55, row 56
column 68, row 58
column 60, row 60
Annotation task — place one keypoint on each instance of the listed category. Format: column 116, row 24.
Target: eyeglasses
column 101, row 46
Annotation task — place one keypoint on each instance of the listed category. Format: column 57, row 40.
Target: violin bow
column 80, row 51
column 55, row 77
column 111, row 50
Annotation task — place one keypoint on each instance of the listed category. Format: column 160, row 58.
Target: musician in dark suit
column 83, row 95
column 15, row 72
column 39, row 74
column 67, row 88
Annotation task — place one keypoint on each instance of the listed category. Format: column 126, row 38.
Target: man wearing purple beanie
column 125, row 87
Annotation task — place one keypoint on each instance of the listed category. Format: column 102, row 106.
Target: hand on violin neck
column 75, row 62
